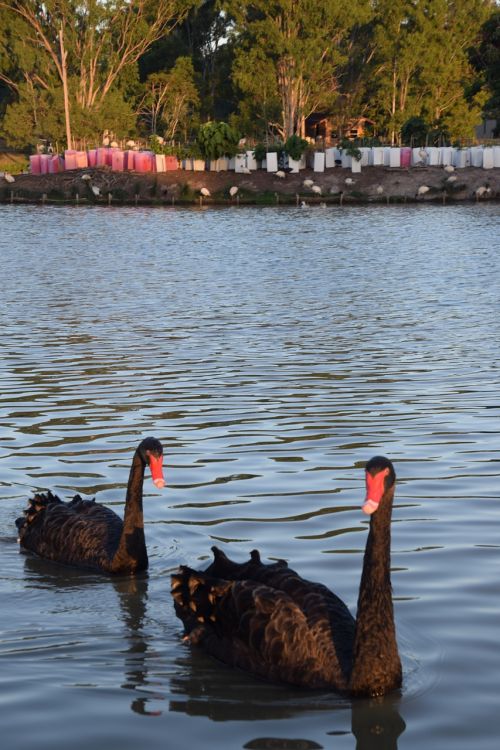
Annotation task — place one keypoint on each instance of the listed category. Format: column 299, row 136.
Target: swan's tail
column 37, row 505
column 197, row 599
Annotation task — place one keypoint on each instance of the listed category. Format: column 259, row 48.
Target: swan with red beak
column 86, row 534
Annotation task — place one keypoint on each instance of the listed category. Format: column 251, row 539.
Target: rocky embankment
column 381, row 185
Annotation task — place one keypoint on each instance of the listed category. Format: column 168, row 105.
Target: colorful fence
column 486, row 157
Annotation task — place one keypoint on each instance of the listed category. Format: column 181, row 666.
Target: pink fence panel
column 70, row 159
column 143, row 161
column 55, row 164
column 44, row 163
column 101, row 157
column 171, row 163
column 92, row 157
column 129, row 159
column 406, row 154
column 81, row 160
column 35, row 166
column 117, row 160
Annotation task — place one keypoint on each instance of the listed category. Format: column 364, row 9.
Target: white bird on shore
column 233, row 190
column 423, row 189
column 303, row 204
column 380, row 189
column 96, row 190
column 245, row 170
column 322, row 204
column 308, row 183
column 449, row 168
column 480, row 191
column 452, row 178
column 349, row 181
column 86, row 176
column 280, row 174
column 316, row 189
column 8, row 177
column 205, row 192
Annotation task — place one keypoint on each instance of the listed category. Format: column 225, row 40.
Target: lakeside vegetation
column 417, row 70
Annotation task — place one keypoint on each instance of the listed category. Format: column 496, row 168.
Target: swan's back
column 267, row 620
column 79, row 532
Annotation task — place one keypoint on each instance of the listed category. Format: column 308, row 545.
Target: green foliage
column 415, row 132
column 156, row 145
column 170, row 101
column 420, row 64
column 350, row 148
column 260, row 152
column 217, row 139
column 485, row 58
column 423, row 71
column 295, row 146
column 288, row 55
column 36, row 115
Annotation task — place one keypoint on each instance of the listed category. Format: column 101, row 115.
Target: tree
column 398, row 47
column 450, row 100
column 204, row 37
column 89, row 43
column 485, row 57
column 294, row 49
column 171, row 99
column 421, row 65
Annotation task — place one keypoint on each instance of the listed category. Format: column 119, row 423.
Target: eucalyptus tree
column 171, row 100
column 451, row 102
column 288, row 54
column 421, row 65
column 204, row 37
column 91, row 44
column 486, row 60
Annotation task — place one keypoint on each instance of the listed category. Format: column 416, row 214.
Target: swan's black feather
column 268, row 620
column 86, row 534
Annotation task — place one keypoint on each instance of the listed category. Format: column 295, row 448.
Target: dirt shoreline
column 381, row 185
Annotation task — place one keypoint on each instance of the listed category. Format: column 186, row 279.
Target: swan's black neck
column 131, row 553
column 376, row 665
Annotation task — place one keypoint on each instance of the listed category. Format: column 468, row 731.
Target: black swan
column 269, row 621
column 89, row 535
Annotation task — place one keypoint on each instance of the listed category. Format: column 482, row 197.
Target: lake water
column 273, row 351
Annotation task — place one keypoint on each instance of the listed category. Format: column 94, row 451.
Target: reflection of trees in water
column 132, row 595
column 203, row 688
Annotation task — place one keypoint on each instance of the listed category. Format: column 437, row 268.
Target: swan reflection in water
column 202, row 688
column 132, row 594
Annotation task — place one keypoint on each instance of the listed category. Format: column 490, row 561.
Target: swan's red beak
column 156, row 466
column 375, row 488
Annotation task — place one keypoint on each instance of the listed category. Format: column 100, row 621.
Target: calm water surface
column 273, row 352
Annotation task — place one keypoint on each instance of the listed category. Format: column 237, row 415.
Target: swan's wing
column 262, row 630
column 80, row 532
column 315, row 600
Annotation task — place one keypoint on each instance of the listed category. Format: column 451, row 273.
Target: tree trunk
column 64, row 78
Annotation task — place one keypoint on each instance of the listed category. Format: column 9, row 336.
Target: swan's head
column 151, row 451
column 380, row 476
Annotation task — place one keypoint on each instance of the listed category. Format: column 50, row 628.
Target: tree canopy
column 142, row 67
